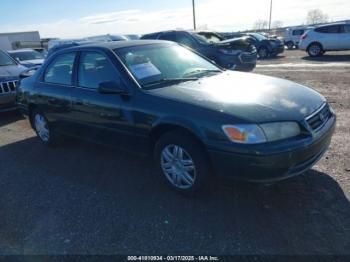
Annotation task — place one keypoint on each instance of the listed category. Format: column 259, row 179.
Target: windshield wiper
column 201, row 71
column 170, row 81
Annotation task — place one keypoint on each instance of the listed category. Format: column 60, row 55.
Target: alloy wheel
column 41, row 127
column 263, row 53
column 178, row 167
column 315, row 50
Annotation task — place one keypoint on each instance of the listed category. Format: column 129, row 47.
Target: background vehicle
column 332, row 37
column 235, row 54
column 267, row 47
column 27, row 57
column 292, row 36
column 9, row 75
column 132, row 37
column 107, row 38
column 67, row 45
column 159, row 98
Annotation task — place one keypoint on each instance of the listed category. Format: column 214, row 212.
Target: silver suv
column 9, row 75
column 332, row 37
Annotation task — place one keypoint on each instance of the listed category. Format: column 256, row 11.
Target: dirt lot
column 84, row 199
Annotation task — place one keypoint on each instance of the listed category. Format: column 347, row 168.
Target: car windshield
column 27, row 55
column 158, row 65
column 258, row 36
column 5, row 60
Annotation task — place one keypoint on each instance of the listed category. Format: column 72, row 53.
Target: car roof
column 118, row 44
column 342, row 23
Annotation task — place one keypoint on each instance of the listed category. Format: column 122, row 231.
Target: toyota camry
column 199, row 121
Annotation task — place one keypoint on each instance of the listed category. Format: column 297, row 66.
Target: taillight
column 304, row 36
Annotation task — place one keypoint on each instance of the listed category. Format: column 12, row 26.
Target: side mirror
column 28, row 73
column 111, row 87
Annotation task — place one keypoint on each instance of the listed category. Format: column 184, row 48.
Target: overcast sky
column 77, row 18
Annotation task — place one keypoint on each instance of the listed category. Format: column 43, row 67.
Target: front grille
column 318, row 119
column 248, row 58
column 8, row 87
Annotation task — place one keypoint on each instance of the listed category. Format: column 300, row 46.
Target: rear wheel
column 182, row 162
column 314, row 50
column 43, row 129
column 263, row 53
column 290, row 45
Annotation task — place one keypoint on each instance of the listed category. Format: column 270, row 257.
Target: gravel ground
column 81, row 198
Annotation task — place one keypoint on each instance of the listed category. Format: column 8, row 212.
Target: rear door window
column 332, row 29
column 60, row 70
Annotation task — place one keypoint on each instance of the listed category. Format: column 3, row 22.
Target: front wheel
column 182, row 162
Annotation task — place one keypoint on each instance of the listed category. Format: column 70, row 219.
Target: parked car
column 57, row 42
column 27, row 57
column 43, row 51
column 267, row 47
column 9, row 75
column 159, row 98
column 292, row 36
column 235, row 54
column 332, row 37
column 107, row 38
column 132, row 37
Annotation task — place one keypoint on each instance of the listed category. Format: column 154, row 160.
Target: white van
column 292, row 36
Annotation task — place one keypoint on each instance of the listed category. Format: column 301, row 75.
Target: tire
column 263, row 53
column 314, row 50
column 290, row 45
column 42, row 128
column 182, row 163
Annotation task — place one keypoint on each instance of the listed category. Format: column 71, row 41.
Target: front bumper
column 8, row 102
column 272, row 167
column 278, row 50
column 241, row 62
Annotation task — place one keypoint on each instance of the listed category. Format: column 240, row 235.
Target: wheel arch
column 31, row 108
column 168, row 125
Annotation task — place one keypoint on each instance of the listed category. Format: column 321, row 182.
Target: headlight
column 246, row 134
column 255, row 134
column 280, row 130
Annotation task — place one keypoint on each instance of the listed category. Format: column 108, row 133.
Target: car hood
column 249, row 97
column 240, row 43
column 11, row 71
